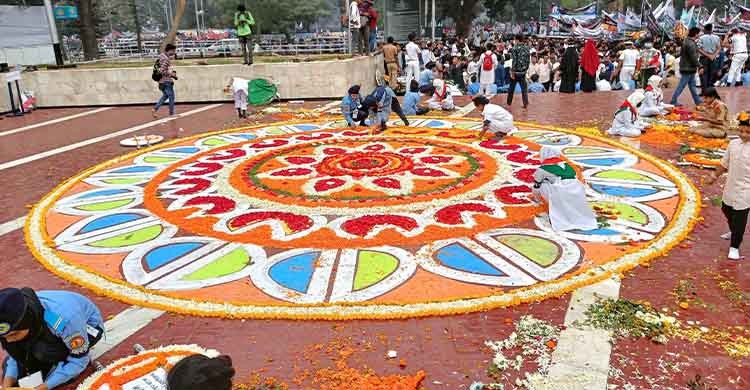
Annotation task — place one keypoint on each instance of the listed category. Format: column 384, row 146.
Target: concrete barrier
column 197, row 83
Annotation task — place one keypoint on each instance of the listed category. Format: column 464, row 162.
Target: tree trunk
column 137, row 22
column 172, row 34
column 87, row 30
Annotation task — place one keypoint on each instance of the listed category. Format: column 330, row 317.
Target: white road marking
column 463, row 111
column 39, row 156
column 581, row 359
column 12, row 226
column 122, row 326
column 52, row 122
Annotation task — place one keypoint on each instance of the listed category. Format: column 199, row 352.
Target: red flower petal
column 314, row 137
column 350, row 133
column 207, row 168
column 228, row 155
column 446, row 134
column 451, row 215
column 498, row 144
column 292, row 172
column 294, row 222
column 334, row 151
column 387, row 182
column 269, row 143
column 522, row 157
column 436, row 159
column 374, row 148
column 220, row 203
column 363, row 225
column 328, row 184
column 197, row 184
column 412, row 150
column 300, row 160
column 513, row 194
column 525, row 175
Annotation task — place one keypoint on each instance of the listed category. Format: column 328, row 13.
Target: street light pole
column 53, row 32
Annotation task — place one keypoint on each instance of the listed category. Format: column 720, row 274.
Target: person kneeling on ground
column 736, row 199
column 715, row 115
column 412, row 99
column 378, row 104
column 653, row 102
column 441, row 98
column 47, row 336
column 201, row 372
column 239, row 87
column 626, row 122
column 555, row 181
column 351, row 107
column 395, row 105
column 497, row 120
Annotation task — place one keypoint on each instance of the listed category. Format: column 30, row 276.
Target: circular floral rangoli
column 316, row 221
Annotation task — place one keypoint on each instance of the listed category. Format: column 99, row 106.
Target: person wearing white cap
column 628, row 60
column 653, row 102
column 441, row 98
column 626, row 122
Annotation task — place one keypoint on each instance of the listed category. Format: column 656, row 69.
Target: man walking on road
column 390, row 54
column 243, row 21
column 688, row 67
column 520, row 56
column 168, row 76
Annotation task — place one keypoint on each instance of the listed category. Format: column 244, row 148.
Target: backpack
column 156, row 73
column 488, row 64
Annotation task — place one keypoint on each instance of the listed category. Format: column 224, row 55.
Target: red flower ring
column 364, row 164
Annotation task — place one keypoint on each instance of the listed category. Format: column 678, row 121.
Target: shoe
column 726, row 236
column 734, row 254
column 154, row 114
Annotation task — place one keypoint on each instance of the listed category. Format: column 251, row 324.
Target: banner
column 743, row 11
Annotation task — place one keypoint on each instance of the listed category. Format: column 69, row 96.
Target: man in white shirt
column 412, row 59
column 738, row 41
column 427, row 54
column 487, row 65
column 497, row 120
column 354, row 25
column 628, row 59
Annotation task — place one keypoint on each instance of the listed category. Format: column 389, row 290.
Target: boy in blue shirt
column 535, row 86
column 412, row 99
column 473, row 88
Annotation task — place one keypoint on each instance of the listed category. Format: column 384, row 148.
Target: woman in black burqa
column 569, row 69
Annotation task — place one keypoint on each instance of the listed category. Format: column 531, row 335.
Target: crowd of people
column 498, row 63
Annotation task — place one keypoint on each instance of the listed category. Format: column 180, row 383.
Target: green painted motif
column 623, row 175
column 214, row 142
column 528, row 134
column 130, row 238
column 103, row 206
column 228, row 264
column 627, row 212
column 274, row 130
column 159, row 159
column 124, row 180
column 373, row 267
column 536, row 249
column 583, row 150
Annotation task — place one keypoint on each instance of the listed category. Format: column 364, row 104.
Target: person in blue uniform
column 47, row 334
column 351, row 107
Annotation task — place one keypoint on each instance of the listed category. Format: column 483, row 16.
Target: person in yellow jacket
column 243, row 20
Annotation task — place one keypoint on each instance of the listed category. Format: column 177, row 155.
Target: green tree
column 463, row 12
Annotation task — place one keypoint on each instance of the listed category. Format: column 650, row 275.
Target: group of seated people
column 712, row 114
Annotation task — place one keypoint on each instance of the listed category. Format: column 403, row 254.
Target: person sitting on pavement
column 412, row 99
column 201, row 372
column 351, row 107
column 555, row 181
column 497, row 120
column 714, row 114
column 653, row 103
column 535, row 86
column 47, row 336
column 627, row 122
column 441, row 98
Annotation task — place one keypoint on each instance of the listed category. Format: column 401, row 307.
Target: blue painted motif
column 458, row 257
column 307, row 127
column 597, row 232
column 602, row 162
column 295, row 272
column 184, row 149
column 104, row 193
column 623, row 191
column 169, row 253
column 109, row 220
column 134, row 169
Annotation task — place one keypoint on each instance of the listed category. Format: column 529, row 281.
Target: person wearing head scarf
column 497, row 120
column 351, row 107
column 47, row 336
column 569, row 69
column 556, row 182
column 589, row 66
column 653, row 102
column 626, row 122
column 441, row 98
column 198, row 372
